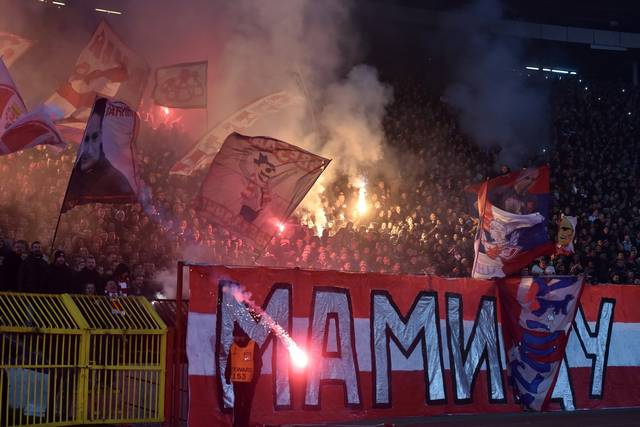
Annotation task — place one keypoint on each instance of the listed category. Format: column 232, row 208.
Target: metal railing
column 80, row 360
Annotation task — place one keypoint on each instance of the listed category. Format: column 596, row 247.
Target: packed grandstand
column 418, row 220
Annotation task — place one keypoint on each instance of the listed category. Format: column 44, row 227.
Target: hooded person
column 243, row 370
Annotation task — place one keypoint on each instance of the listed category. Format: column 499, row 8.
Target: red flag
column 105, row 170
column 255, row 183
column 105, row 67
column 182, row 85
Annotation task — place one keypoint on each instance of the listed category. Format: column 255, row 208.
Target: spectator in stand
column 543, row 268
column 88, row 275
column 90, row 289
column 32, row 276
column 111, row 288
column 417, row 220
column 11, row 266
column 60, row 276
column 121, row 275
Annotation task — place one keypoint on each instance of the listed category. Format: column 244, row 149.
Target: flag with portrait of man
column 104, row 171
column 566, row 234
column 255, row 183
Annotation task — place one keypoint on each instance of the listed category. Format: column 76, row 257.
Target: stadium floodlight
column 533, row 68
column 59, row 3
column 110, row 12
column 554, row 70
column 546, row 69
column 572, row 73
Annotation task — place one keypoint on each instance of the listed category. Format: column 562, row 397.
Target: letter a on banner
column 255, row 183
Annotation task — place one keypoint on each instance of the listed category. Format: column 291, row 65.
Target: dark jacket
column 60, row 279
column 85, row 276
column 32, row 276
column 9, row 272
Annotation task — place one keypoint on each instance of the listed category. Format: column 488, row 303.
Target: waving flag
column 105, row 170
column 182, row 85
column 206, row 147
column 12, row 47
column 537, row 317
column 513, row 211
column 255, row 183
column 11, row 104
column 18, row 129
column 105, row 67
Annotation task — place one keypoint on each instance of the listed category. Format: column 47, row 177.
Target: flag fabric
column 31, row 129
column 18, row 128
column 513, row 211
column 566, row 234
column 206, row 147
column 105, row 170
column 181, row 85
column 106, row 67
column 11, row 104
column 537, row 314
column 12, row 47
column 255, row 183
column 71, row 130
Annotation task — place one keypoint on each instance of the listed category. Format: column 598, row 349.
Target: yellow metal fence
column 80, row 360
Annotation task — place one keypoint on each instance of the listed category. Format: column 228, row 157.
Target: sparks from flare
column 362, row 197
column 298, row 356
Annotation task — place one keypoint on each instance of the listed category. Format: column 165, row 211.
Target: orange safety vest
column 242, row 362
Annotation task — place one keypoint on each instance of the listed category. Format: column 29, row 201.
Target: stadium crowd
column 418, row 219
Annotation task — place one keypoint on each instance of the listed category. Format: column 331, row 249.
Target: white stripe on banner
column 201, row 346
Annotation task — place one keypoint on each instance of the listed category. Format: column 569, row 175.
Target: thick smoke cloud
column 498, row 107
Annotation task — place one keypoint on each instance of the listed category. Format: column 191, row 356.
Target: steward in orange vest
column 243, row 370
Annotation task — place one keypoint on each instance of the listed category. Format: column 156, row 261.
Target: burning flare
column 362, row 206
column 299, row 357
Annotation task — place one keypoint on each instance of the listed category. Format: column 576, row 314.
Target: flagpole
column 307, row 97
column 66, row 192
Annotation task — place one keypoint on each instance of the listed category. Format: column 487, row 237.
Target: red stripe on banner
column 622, row 391
column 408, row 388
column 592, row 296
column 626, row 311
column 259, row 281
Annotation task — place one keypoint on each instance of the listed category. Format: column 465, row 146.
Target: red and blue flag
column 513, row 211
column 537, row 314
